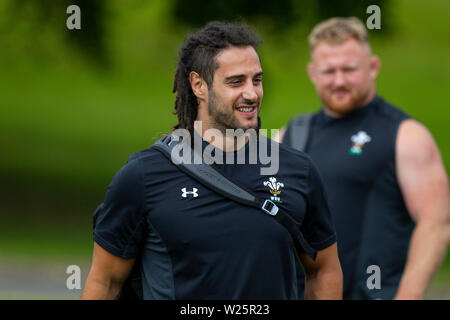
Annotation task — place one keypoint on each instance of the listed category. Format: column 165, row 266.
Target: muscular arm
column 323, row 275
column 107, row 275
column 424, row 184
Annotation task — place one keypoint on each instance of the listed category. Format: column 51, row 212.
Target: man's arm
column 424, row 184
column 107, row 275
column 323, row 275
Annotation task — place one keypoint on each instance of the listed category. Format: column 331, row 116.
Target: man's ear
column 375, row 65
column 311, row 73
column 198, row 85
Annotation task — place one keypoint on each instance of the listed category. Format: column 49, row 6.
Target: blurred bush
column 68, row 128
column 281, row 14
column 33, row 20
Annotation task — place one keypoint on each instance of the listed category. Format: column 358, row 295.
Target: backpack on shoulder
column 298, row 131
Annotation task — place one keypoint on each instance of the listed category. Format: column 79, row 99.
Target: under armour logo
column 193, row 192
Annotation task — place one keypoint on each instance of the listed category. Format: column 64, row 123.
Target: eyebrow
column 351, row 65
column 238, row 76
column 325, row 68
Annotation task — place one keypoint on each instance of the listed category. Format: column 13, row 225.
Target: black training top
column 196, row 244
column 356, row 158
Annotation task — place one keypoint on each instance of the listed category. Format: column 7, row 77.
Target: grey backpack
column 298, row 131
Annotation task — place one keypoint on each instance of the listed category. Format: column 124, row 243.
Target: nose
column 250, row 92
column 339, row 79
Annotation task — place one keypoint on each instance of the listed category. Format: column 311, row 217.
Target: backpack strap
column 298, row 131
column 217, row 181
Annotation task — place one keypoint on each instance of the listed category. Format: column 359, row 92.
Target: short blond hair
column 338, row 30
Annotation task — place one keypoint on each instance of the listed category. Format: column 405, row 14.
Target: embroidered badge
column 274, row 189
column 359, row 140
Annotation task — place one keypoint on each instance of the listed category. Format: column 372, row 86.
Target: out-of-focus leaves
column 91, row 38
column 199, row 12
column 281, row 13
column 51, row 16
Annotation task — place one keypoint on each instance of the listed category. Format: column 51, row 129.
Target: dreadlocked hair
column 198, row 54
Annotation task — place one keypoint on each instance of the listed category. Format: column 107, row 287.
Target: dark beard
column 222, row 119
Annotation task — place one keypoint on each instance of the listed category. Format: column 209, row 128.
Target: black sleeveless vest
column 356, row 159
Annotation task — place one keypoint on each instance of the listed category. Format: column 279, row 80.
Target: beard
column 223, row 118
column 343, row 100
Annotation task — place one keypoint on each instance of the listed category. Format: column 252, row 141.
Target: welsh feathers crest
column 275, row 188
column 359, row 140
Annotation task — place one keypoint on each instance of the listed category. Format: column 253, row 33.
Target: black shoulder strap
column 298, row 130
column 225, row 186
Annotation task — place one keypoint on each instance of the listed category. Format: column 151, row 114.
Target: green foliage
column 40, row 27
column 68, row 127
column 199, row 12
column 63, row 123
column 357, row 8
column 91, row 38
column 281, row 14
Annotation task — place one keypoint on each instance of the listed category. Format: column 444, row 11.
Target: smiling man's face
column 235, row 97
column 344, row 75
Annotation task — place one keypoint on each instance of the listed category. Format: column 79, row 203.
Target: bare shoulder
column 420, row 170
column 415, row 143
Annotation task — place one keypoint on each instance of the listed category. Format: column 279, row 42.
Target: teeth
column 245, row 109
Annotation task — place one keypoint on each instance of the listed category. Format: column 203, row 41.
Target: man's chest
column 355, row 153
column 184, row 211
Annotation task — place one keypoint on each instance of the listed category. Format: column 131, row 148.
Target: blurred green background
column 74, row 104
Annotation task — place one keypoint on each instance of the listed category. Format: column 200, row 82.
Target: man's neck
column 219, row 138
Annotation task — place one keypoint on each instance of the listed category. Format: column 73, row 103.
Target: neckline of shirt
column 225, row 153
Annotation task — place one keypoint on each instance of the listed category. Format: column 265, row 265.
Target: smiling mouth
column 246, row 110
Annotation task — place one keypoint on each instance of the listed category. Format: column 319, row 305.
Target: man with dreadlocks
column 193, row 243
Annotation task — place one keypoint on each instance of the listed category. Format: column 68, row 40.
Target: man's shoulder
column 293, row 153
column 286, row 152
column 140, row 166
column 293, row 156
column 146, row 154
column 389, row 111
column 148, row 159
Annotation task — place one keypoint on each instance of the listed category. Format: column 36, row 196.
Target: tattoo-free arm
column 324, row 275
column 107, row 275
column 424, row 184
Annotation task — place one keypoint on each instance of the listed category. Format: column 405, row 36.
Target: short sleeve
column 318, row 226
column 120, row 223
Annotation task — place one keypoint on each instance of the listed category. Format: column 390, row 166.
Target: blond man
column 386, row 183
